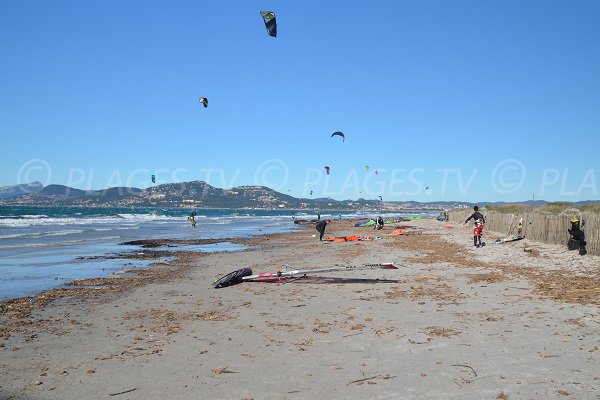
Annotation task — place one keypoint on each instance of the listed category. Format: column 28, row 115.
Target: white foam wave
column 54, row 244
column 41, row 234
column 146, row 217
column 115, row 219
column 61, row 233
column 25, row 216
column 14, row 235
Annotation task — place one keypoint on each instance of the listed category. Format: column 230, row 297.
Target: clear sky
column 477, row 100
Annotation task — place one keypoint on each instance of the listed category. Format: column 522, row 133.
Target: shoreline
column 40, row 252
column 515, row 320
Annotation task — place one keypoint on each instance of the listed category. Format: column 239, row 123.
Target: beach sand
column 518, row 320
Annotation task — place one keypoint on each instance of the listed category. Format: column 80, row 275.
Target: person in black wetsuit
column 320, row 227
column 478, row 229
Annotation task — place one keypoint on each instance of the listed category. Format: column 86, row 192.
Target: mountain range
column 194, row 194
column 199, row 194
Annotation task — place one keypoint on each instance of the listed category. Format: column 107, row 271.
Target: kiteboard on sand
column 510, row 239
column 285, row 273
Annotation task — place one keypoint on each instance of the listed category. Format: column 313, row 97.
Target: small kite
column 204, row 101
column 153, row 178
column 339, row 134
column 327, row 169
column 380, row 198
column 376, row 172
column 270, row 22
column 427, row 188
column 366, row 167
column 311, row 192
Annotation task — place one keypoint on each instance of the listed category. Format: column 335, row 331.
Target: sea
column 46, row 247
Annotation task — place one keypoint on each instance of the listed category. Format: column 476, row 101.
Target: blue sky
column 477, row 100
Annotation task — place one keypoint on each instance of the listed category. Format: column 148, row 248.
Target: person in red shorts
column 478, row 229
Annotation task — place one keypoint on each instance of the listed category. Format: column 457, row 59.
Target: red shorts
column 478, row 230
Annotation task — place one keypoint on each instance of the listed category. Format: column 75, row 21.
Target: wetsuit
column 321, row 228
column 476, row 215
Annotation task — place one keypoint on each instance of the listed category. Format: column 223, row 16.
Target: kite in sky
column 339, row 134
column 204, row 101
column 327, row 169
column 270, row 22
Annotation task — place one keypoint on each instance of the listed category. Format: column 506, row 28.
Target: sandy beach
column 517, row 320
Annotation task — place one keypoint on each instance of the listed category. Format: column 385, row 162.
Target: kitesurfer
column 192, row 219
column 320, row 227
column 379, row 224
column 478, row 229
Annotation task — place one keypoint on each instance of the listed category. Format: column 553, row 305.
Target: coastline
column 516, row 320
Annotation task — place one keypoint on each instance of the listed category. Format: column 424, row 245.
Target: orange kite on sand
column 351, row 238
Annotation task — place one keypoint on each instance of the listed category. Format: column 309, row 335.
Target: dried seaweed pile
column 168, row 321
column 558, row 284
column 440, row 292
column 441, row 332
column 489, row 277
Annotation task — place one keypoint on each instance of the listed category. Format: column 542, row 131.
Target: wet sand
column 518, row 320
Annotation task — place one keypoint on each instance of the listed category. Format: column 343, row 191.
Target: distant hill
column 9, row 192
column 530, row 203
column 60, row 190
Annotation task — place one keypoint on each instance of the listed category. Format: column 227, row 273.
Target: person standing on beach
column 478, row 229
column 320, row 227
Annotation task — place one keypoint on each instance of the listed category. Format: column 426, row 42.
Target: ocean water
column 43, row 247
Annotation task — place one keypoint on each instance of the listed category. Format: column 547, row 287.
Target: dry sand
column 507, row 321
